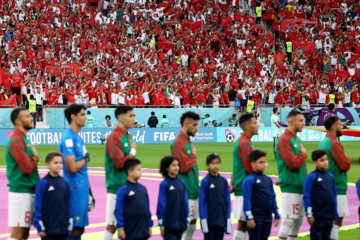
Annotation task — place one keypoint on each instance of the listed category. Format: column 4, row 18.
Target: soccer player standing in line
column 22, row 173
column 290, row 157
column 242, row 168
column 75, row 160
column 339, row 164
column 276, row 125
column 119, row 147
column 185, row 151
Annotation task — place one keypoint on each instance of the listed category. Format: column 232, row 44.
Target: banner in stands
column 97, row 135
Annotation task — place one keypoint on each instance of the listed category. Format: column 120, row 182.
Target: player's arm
column 40, row 189
column 150, row 221
column 186, row 201
column 113, row 147
column 71, row 209
column 203, row 209
column 274, row 203
column 339, row 156
column 243, row 152
column 17, row 150
column 119, row 207
column 72, row 166
column 247, row 188
column 186, row 163
column 358, row 188
column 291, row 160
column 228, row 204
column 308, row 184
column 161, row 206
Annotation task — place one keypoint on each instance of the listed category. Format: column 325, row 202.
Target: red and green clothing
column 21, row 164
column 291, row 163
column 189, row 170
column 339, row 163
column 118, row 148
column 241, row 162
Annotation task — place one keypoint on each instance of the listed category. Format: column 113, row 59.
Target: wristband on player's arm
column 133, row 152
column 87, row 157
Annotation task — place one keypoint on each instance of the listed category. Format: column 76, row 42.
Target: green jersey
column 117, row 150
column 291, row 163
column 164, row 123
column 275, row 128
column 233, row 121
column 21, row 164
column 339, row 164
column 189, row 170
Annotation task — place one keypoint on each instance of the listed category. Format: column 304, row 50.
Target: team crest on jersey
column 77, row 219
column 126, row 144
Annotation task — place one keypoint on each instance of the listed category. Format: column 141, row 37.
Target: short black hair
column 275, row 109
column 293, row 113
column 73, row 109
column 189, row 115
column 234, row 115
column 123, row 109
column 318, row 153
column 164, row 116
column 165, row 162
column 51, row 155
column 256, row 154
column 246, row 117
column 108, row 116
column 152, row 113
column 211, row 157
column 15, row 113
column 331, row 106
column 88, row 112
column 130, row 164
column 330, row 121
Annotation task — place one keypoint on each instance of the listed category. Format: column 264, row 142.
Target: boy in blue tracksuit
column 214, row 201
column 172, row 208
column 259, row 198
column 320, row 197
column 132, row 210
column 53, row 210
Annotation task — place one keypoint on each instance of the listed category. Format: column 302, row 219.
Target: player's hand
column 276, row 222
column 132, row 144
column 311, row 220
column 33, row 149
column 162, row 230
column 193, row 149
column 87, row 157
column 251, row 224
column 231, row 186
column 42, row 234
column 150, row 231
column 121, row 234
column 302, row 149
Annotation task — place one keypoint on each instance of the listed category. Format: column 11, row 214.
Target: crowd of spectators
column 180, row 53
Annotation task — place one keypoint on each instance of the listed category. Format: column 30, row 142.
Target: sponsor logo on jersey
column 131, row 193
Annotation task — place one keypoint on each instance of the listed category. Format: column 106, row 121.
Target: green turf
column 150, row 155
column 343, row 235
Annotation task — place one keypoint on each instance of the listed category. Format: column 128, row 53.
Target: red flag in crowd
column 306, row 47
column 279, row 59
column 52, row 69
column 11, row 101
column 286, row 22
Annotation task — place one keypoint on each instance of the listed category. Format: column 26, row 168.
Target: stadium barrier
column 161, row 135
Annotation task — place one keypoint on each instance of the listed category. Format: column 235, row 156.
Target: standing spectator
column 120, row 146
column 89, row 120
column 339, row 164
column 76, row 159
column 290, row 157
column 53, row 210
column 164, row 122
column 108, row 123
column 22, row 173
column 276, row 125
column 32, row 109
column 241, row 169
column 185, row 151
column 153, row 120
column 233, row 122
column 207, row 121
column 232, row 96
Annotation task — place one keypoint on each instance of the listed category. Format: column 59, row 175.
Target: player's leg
column 266, row 230
column 256, row 233
column 193, row 215
column 343, row 210
column 81, row 198
column 110, row 217
column 240, row 232
column 291, row 208
column 326, row 229
column 316, row 230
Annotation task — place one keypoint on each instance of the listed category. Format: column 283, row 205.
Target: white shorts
column 21, row 209
column 292, row 205
column 239, row 208
column 110, row 208
column 193, row 209
column 342, row 206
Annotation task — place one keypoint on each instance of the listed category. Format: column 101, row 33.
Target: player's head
column 21, row 118
column 296, row 120
column 125, row 116
column 169, row 165
column 107, row 117
column 53, row 161
column 213, row 163
column 333, row 124
column 75, row 113
column 249, row 124
column 233, row 116
column 88, row 113
column 190, row 122
column 331, row 107
column 258, row 160
column 320, row 159
column 164, row 116
column 276, row 110
column 132, row 168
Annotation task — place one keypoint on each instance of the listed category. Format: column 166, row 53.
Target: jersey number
column 296, row 209
column 27, row 217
